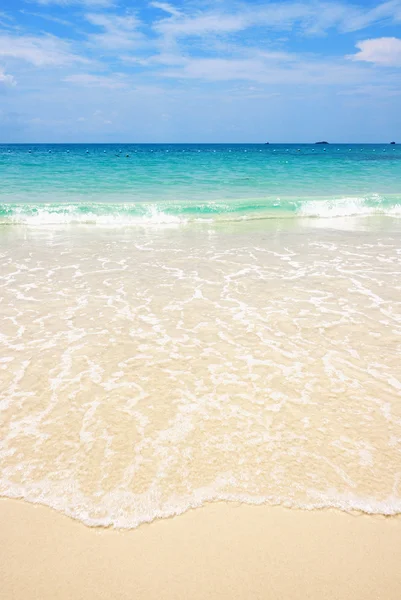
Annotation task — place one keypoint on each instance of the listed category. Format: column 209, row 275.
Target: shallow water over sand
column 148, row 370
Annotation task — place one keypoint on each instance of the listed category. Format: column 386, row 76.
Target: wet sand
column 221, row 551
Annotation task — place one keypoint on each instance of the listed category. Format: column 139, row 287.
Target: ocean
column 183, row 324
column 137, row 184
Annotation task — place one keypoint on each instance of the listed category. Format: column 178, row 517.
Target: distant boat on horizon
column 321, row 143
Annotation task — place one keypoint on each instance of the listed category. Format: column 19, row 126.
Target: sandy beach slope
column 219, row 552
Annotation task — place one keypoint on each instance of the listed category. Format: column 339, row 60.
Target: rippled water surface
column 146, row 370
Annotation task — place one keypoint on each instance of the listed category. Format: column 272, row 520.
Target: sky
column 200, row 71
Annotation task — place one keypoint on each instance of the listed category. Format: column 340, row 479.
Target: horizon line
column 198, row 143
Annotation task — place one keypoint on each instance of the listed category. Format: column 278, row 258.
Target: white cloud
column 47, row 17
column 7, row 22
column 359, row 19
column 39, row 51
column 6, row 79
column 166, row 7
column 89, row 80
column 119, row 31
column 111, row 21
column 384, row 51
column 269, row 70
column 163, row 58
column 311, row 18
column 209, row 23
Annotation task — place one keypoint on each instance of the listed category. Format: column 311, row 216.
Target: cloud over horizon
column 220, row 72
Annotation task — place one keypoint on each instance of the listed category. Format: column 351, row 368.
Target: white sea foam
column 70, row 215
column 143, row 375
column 348, row 207
column 115, row 215
column 123, row 510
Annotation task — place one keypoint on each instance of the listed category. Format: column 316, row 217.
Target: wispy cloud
column 115, row 81
column 309, row 18
column 384, row 51
column 166, row 7
column 268, row 70
column 223, row 59
column 201, row 24
column 358, row 18
column 6, row 21
column 47, row 17
column 377, row 91
column 119, row 32
column 40, row 51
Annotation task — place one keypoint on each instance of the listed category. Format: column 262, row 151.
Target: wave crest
column 176, row 213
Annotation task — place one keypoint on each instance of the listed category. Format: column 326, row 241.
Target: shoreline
column 234, row 501
column 369, row 221
column 218, row 551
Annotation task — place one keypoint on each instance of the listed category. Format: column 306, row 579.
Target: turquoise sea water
column 128, row 184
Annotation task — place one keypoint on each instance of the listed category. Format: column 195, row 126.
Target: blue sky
column 200, row 71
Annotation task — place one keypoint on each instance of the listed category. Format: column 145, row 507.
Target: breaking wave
column 181, row 212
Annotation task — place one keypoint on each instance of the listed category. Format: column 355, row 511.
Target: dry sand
column 220, row 551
